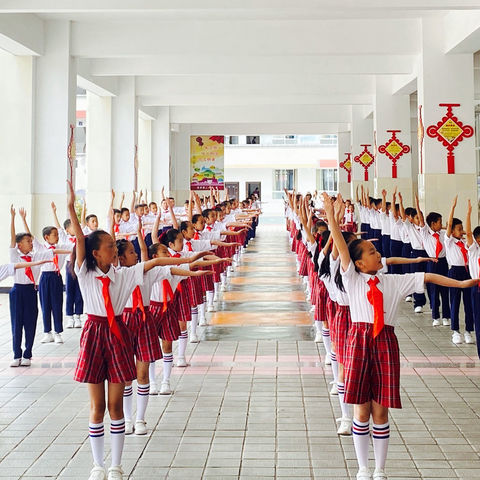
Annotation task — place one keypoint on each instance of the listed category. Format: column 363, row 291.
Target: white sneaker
column 193, row 338
column 408, row 299
column 318, row 337
column 140, row 427
column 70, row 321
column 16, row 362
column 128, row 427
column 47, row 338
column 457, row 338
column 345, row 427
column 211, row 308
column 418, row 309
column 328, row 359
column 115, row 473
column 446, row 321
column 97, row 473
column 153, row 388
column 468, row 337
column 165, row 389
column 379, row 474
column 364, row 474
column 58, row 338
column 181, row 362
column 334, row 389
column 77, row 321
column 436, row 322
column 25, row 362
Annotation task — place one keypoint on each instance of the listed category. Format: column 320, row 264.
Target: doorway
column 254, row 187
column 233, row 189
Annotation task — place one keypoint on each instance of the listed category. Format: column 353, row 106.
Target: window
column 329, row 178
column 284, row 179
column 253, row 140
column 233, row 140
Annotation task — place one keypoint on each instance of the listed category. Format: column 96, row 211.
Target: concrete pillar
column 392, row 112
column 145, row 154
column 99, row 156
column 344, row 146
column 362, row 134
column 445, row 79
column 16, row 181
column 55, row 100
column 160, row 153
column 180, row 166
column 124, row 136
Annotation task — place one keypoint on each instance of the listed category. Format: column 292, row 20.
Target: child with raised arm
column 372, row 360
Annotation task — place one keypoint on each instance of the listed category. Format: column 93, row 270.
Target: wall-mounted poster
column 206, row 162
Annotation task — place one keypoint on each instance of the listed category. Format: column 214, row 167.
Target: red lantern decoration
column 450, row 132
column 394, row 149
column 347, row 166
column 365, row 158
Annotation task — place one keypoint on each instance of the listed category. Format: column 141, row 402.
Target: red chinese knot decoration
column 394, row 149
column 347, row 166
column 365, row 159
column 450, row 132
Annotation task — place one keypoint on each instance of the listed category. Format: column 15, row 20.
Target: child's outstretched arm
column 450, row 282
column 468, row 224
column 394, row 202
column 12, row 227
column 141, row 243
column 335, row 231
column 55, row 217
column 450, row 216
column 384, row 201
column 84, row 213
column 407, row 261
column 23, row 213
column 174, row 218
column 132, row 205
column 419, row 211
column 402, row 210
column 80, row 244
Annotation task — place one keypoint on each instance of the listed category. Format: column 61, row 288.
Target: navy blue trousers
column 406, row 253
column 23, row 316
column 438, row 293
column 50, row 290
column 396, row 247
column 74, row 300
column 419, row 299
column 364, row 227
column 460, row 273
column 475, row 294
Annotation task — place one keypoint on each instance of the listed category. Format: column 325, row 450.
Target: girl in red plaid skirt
column 372, row 364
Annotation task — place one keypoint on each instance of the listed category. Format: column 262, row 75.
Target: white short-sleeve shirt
column 473, row 259
column 156, row 274
column 20, row 276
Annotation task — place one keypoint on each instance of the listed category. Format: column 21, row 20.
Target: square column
column 362, row 134
column 445, row 79
column 54, row 111
column 144, row 180
column 161, row 153
column 344, row 147
column 391, row 119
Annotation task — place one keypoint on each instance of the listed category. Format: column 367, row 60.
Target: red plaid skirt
column 339, row 331
column 372, row 366
column 102, row 355
column 331, row 308
column 321, row 305
column 183, row 313
column 303, row 258
column 207, row 281
column 196, row 290
column 167, row 325
column 144, row 334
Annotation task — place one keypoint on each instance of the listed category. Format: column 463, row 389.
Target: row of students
column 366, row 297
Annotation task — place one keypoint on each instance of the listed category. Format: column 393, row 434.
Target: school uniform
column 23, row 300
column 396, row 242
column 349, row 222
column 50, row 288
column 457, row 258
column 332, row 293
column 386, row 233
column 372, row 365
column 364, row 222
column 433, row 243
column 375, row 228
column 106, row 347
column 194, row 284
column 474, row 268
column 161, row 297
column 416, row 242
column 139, row 319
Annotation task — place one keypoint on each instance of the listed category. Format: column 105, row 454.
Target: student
column 106, row 350
column 457, row 258
column 396, row 226
column 23, row 295
column 371, row 385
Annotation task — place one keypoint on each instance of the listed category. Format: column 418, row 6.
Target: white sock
column 216, row 287
column 167, row 366
column 143, row 392
column 201, row 313
column 344, row 407
column 334, row 366
column 182, row 343
column 223, row 277
column 194, row 321
column 361, row 439
column 326, row 340
column 127, row 402
column 97, row 442
column 117, row 439
column 151, row 372
column 380, row 436
column 209, row 298
column 318, row 326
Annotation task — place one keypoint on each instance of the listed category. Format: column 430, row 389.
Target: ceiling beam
column 22, row 34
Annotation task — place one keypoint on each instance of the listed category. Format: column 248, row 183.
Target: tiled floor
column 254, row 403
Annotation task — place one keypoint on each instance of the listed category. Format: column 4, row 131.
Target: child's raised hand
column 54, row 207
column 12, row 210
column 23, row 213
column 71, row 194
column 400, row 196
column 469, row 207
column 469, row 283
column 113, row 194
column 454, row 202
column 384, row 193
column 327, row 203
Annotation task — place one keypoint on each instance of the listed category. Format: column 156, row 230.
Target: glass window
column 329, row 180
column 284, row 179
